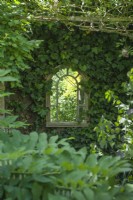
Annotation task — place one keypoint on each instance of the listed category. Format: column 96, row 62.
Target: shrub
column 33, row 167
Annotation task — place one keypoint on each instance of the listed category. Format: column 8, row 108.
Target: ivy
column 38, row 166
column 95, row 54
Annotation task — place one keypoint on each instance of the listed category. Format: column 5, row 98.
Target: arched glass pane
column 64, row 99
column 67, row 99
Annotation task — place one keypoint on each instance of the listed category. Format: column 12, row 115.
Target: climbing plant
column 33, row 166
column 95, row 54
column 98, row 55
column 104, row 16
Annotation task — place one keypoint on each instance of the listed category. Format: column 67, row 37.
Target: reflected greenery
column 68, row 102
column 64, row 99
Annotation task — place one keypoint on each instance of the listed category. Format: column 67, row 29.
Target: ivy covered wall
column 98, row 55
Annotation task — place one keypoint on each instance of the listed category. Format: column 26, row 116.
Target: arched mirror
column 68, row 102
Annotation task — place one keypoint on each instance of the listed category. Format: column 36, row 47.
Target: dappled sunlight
column 67, row 99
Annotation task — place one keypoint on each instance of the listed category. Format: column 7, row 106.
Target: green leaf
column 27, row 162
column 33, row 140
column 92, row 160
column 129, row 187
column 56, row 197
column 5, row 94
column 4, row 72
column 42, row 179
column 42, row 143
column 8, row 120
column 83, row 67
column 36, row 191
column 78, row 195
column 7, row 79
column 103, row 195
column 53, row 139
column 83, row 152
column 89, row 194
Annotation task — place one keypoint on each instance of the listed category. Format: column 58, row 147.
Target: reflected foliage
column 67, row 98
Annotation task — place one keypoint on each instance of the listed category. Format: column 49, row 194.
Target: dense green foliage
column 15, row 47
column 111, row 16
column 37, row 166
column 68, row 100
column 96, row 55
column 33, row 167
column 64, row 92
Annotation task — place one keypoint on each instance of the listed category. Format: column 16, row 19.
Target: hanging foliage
column 103, row 16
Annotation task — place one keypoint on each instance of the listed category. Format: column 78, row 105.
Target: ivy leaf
column 83, row 67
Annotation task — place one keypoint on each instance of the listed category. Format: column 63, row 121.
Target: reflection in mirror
column 67, row 102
